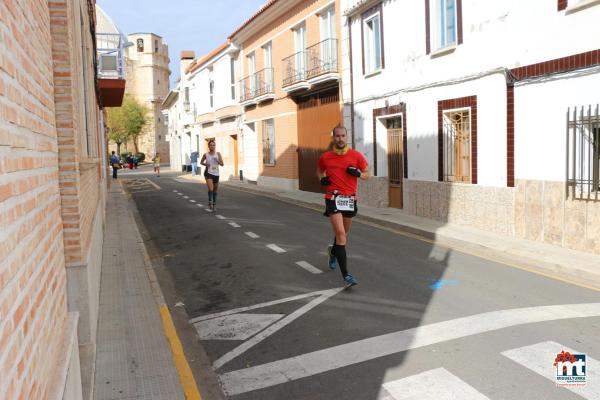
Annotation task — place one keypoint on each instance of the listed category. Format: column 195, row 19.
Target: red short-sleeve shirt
column 335, row 168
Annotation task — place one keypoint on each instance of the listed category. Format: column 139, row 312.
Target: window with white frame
column 232, row 77
column 457, row 145
column 444, row 23
column 300, row 46
column 268, row 141
column 251, row 72
column 267, row 85
column 328, row 35
column 372, row 43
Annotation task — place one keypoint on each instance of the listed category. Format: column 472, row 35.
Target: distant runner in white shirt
column 211, row 161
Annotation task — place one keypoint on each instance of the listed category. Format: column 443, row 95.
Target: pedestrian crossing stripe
column 436, row 384
column 539, row 358
column 319, row 361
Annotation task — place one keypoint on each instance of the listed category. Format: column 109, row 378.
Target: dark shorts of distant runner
column 331, row 208
column 215, row 178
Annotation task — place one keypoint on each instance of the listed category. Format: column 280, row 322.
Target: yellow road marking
column 188, row 383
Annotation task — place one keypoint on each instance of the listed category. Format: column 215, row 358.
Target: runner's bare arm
column 220, row 159
column 203, row 160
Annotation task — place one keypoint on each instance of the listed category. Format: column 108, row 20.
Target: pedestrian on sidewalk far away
column 339, row 170
column 211, row 161
column 156, row 161
column 130, row 161
column 194, row 158
column 114, row 162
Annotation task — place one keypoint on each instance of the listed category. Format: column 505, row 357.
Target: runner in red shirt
column 339, row 170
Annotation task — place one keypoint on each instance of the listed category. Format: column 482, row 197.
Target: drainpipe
column 351, row 82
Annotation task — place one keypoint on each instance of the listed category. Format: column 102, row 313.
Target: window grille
column 583, row 153
column 457, row 146
column 268, row 139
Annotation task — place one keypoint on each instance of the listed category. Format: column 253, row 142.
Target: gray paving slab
column 133, row 359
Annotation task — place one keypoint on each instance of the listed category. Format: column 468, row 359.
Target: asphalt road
column 423, row 322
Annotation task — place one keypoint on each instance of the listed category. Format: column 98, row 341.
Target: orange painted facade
column 275, row 25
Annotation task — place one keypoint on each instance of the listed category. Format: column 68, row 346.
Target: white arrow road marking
column 252, row 235
column 274, row 328
column 234, row 225
column 234, row 327
column 540, row 359
column 276, row 248
column 277, row 372
column 436, row 384
column 310, row 268
column 220, row 216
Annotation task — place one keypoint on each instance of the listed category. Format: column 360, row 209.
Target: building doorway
column 395, row 160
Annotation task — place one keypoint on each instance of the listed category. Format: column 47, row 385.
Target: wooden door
column 395, row 161
column 317, row 115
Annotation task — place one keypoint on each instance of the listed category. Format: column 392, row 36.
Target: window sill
column 370, row 74
column 268, row 165
column 581, row 6
column 443, row 51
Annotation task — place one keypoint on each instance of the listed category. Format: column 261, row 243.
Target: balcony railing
column 294, row 68
column 316, row 60
column 256, row 85
column 110, row 49
column 322, row 58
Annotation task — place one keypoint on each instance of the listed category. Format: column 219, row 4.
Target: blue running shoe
column 349, row 281
column 331, row 260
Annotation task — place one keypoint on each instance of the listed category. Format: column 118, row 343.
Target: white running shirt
column 212, row 163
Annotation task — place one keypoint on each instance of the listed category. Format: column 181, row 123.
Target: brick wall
column 32, row 276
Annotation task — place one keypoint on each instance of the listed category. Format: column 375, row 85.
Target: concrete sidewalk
column 133, row 356
column 557, row 262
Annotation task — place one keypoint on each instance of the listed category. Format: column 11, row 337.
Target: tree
column 126, row 122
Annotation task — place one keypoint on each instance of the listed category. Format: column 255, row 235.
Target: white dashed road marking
column 220, row 216
column 192, row 201
column 276, row 248
column 310, row 268
column 199, row 205
column 316, row 362
column 234, row 225
column 540, row 359
column 175, row 191
column 186, row 197
column 435, row 384
column 252, row 235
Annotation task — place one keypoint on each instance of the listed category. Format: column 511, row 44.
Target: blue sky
column 199, row 25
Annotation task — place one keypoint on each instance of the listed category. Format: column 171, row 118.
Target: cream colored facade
column 147, row 71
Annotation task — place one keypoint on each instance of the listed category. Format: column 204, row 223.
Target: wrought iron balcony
column 257, row 87
column 322, row 59
column 294, row 69
column 317, row 64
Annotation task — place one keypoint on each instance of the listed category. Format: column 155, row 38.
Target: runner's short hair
column 338, row 127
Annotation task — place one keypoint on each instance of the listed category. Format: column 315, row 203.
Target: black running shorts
column 215, row 178
column 330, row 208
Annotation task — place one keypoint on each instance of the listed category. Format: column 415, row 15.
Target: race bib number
column 344, row 203
column 213, row 169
